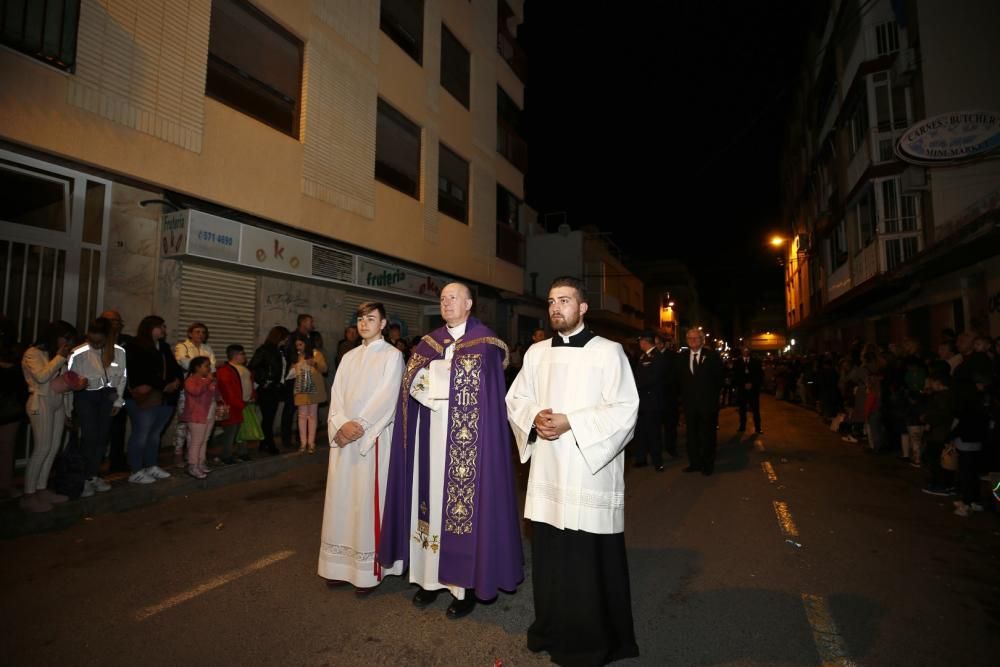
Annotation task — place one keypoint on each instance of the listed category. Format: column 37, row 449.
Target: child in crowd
column 199, row 413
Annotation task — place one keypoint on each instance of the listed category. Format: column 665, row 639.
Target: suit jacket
column 752, row 373
column 700, row 390
column 650, row 378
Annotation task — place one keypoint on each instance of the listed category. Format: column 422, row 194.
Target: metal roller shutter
column 225, row 301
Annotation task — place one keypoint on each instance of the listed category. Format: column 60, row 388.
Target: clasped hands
column 550, row 425
column 348, row 433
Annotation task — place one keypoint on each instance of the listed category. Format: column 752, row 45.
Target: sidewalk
column 123, row 496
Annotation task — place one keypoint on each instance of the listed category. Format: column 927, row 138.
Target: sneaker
column 195, row 471
column 157, row 472
column 935, row 491
column 100, row 485
column 849, row 438
column 52, row 497
column 88, row 489
column 141, row 477
column 962, row 510
column 205, row 469
column 32, row 502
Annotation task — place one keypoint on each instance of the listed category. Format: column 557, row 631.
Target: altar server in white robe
column 572, row 409
column 362, row 410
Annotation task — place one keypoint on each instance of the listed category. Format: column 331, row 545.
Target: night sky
column 700, row 92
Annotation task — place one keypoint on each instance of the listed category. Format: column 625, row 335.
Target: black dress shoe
column 459, row 608
column 424, row 598
column 659, row 468
column 691, row 469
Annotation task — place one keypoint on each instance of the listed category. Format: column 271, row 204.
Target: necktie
column 694, row 361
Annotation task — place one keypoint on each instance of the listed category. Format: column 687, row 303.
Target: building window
column 453, row 185
column 34, row 199
column 837, row 245
column 898, row 251
column 890, row 104
column 403, row 22
column 455, row 68
column 43, row 30
column 867, row 221
column 397, row 150
column 858, row 126
column 254, row 65
column 510, row 131
column 510, row 240
column 886, row 38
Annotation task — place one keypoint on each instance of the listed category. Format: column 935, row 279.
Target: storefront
column 241, row 280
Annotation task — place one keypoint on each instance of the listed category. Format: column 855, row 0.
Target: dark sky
column 695, row 92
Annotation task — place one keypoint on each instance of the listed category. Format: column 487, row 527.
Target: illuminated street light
column 778, row 241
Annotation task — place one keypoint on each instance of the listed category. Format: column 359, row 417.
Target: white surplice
column 365, row 390
column 576, row 482
column 430, row 387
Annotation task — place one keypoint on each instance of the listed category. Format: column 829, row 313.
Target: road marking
column 212, row 584
column 785, row 519
column 829, row 644
column 769, row 471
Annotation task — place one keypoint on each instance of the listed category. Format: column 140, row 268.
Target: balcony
column 877, row 148
column 839, row 282
column 511, row 146
column 865, row 264
column 510, row 244
column 513, row 55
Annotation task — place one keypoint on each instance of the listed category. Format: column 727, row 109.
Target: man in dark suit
column 650, row 377
column 700, row 370
column 748, row 375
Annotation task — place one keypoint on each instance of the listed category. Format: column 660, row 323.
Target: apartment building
column 881, row 247
column 237, row 162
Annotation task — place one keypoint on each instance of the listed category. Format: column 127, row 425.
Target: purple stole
column 480, row 544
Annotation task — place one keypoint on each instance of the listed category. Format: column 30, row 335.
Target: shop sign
column 262, row 249
column 391, row 278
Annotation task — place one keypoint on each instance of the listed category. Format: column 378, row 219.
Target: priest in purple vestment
column 450, row 511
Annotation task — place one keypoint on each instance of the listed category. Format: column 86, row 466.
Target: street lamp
column 778, row 241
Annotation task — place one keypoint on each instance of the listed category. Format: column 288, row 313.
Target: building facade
column 880, row 248
column 238, row 162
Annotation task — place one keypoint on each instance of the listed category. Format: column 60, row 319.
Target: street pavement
column 800, row 550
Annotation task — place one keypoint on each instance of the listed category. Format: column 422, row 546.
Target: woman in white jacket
column 42, row 365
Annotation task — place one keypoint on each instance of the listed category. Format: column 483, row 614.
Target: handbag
column 304, row 383
column 949, row 457
column 250, row 429
column 64, row 382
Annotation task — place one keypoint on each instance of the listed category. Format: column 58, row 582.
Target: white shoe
column 157, row 472
column 141, row 477
column 100, row 485
column 88, row 489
